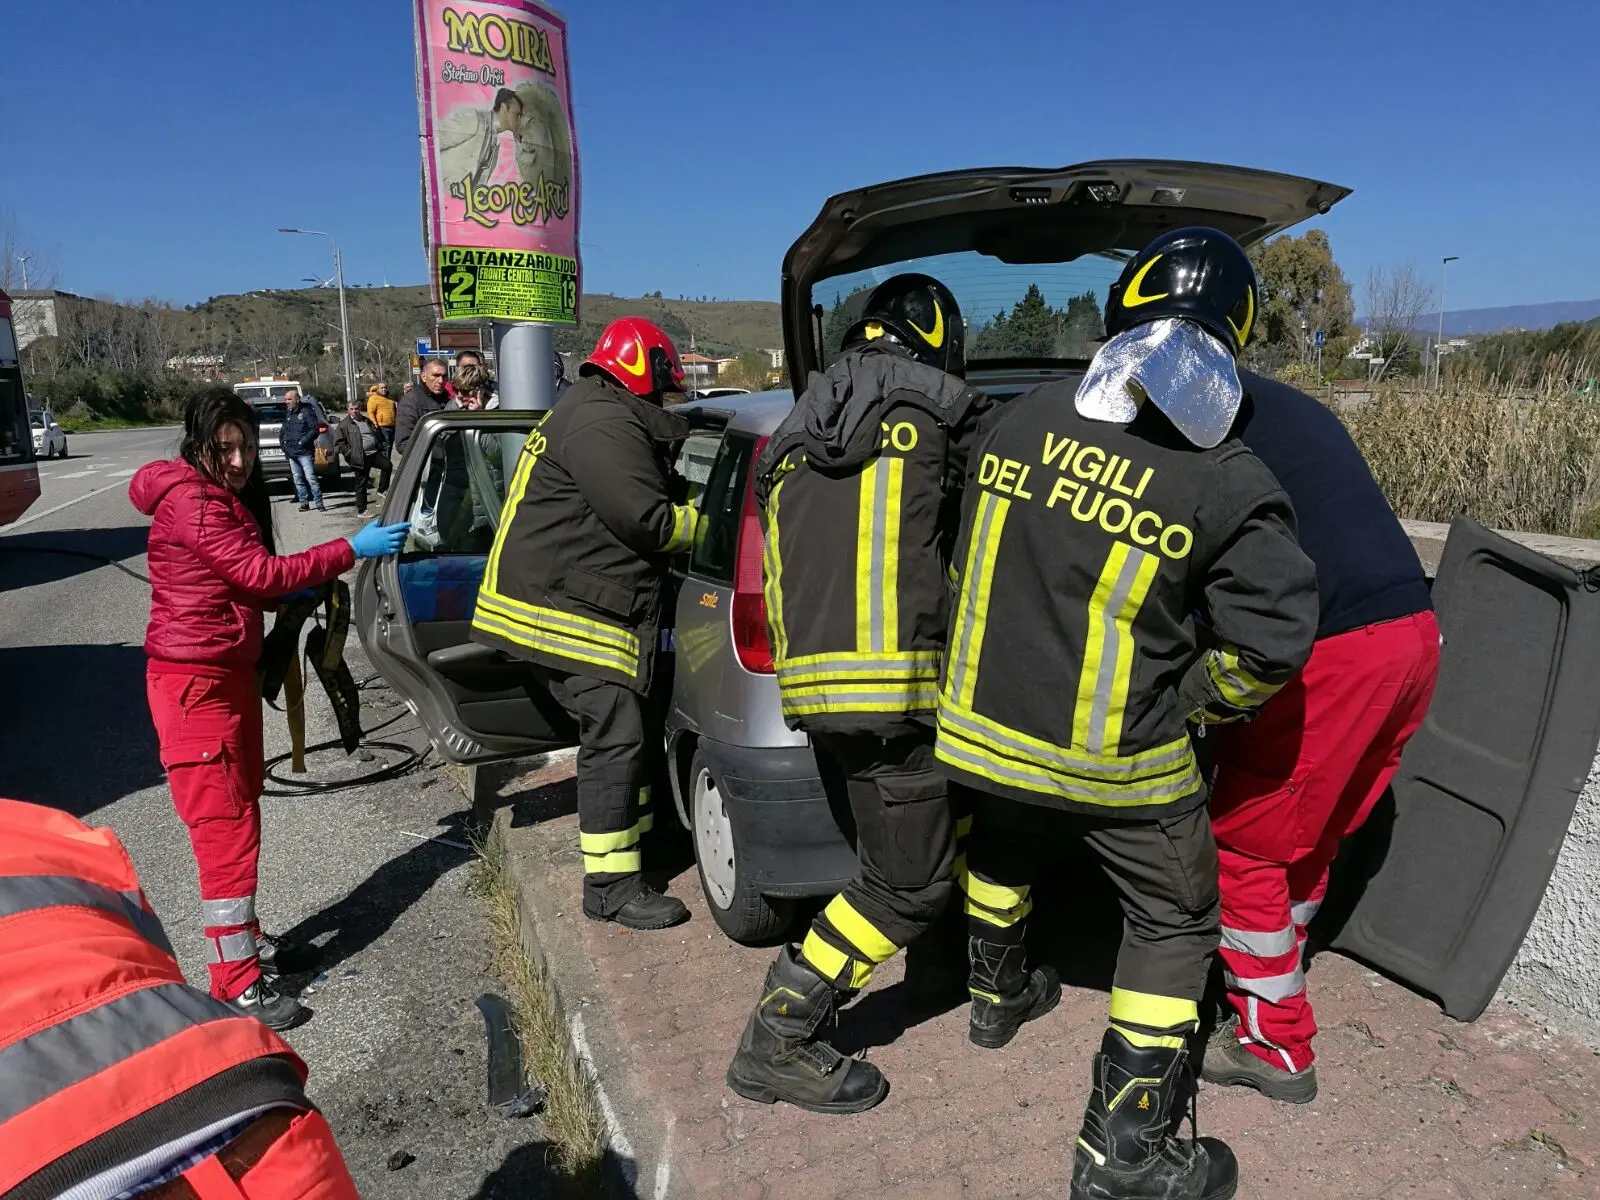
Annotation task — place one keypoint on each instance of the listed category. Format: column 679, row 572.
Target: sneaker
column 320, row 507
column 1227, row 1063
column 305, row 508
column 279, row 957
column 269, row 1006
column 647, row 910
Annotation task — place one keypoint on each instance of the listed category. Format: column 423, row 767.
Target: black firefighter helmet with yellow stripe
column 1197, row 274
column 921, row 314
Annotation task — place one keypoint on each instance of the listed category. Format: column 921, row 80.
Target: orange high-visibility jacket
column 106, row 1055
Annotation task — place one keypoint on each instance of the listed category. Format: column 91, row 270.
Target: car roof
column 752, row 412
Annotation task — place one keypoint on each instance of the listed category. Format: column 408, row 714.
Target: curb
column 638, row 1164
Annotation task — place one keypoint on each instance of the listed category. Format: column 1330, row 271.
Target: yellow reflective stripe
column 604, row 843
column 618, row 862
column 888, row 554
column 647, row 821
column 848, row 667
column 858, row 931
column 1143, row 1082
column 684, row 523
column 772, row 569
column 866, row 568
column 925, row 686
column 1036, row 777
column 830, row 962
column 993, row 895
column 973, row 607
column 493, row 622
column 1238, row 686
column 970, row 726
column 1152, row 1011
column 1108, row 650
column 1003, row 920
column 567, row 622
column 920, row 698
column 963, row 826
column 492, row 606
column 519, row 486
column 1151, row 1041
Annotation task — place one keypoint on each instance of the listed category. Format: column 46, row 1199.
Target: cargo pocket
column 202, row 780
column 598, row 592
column 919, row 834
column 1191, row 853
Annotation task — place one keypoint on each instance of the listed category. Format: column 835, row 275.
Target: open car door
column 1439, row 889
column 414, row 611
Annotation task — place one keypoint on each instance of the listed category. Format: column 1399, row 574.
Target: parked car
column 49, row 439
column 266, row 397
column 1459, row 873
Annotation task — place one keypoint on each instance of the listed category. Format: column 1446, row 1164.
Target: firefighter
column 115, row 1074
column 574, row 585
column 859, row 489
column 1104, row 517
column 1305, row 774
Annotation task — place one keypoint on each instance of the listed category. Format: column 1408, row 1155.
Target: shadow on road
column 82, row 739
column 365, row 913
column 530, row 1173
column 49, row 556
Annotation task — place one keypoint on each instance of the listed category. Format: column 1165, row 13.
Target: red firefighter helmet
column 638, row 355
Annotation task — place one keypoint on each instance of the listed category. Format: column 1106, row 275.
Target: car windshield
column 36, row 420
column 1028, row 311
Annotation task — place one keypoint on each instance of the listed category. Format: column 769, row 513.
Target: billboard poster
column 499, row 160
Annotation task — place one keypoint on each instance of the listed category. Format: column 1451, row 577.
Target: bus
column 19, row 474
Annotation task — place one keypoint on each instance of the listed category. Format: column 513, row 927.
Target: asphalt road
column 396, row 1047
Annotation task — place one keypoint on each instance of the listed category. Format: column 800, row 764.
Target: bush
column 84, row 398
column 1511, row 457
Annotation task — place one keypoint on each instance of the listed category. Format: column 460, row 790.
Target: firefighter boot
column 781, row 1058
column 1005, row 993
column 1127, row 1150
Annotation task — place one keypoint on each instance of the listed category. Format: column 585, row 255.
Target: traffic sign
column 424, row 347
column 1320, row 337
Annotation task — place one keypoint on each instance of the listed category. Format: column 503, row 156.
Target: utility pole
column 23, row 259
column 1438, row 346
column 347, row 357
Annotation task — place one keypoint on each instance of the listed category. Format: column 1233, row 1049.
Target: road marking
column 619, row 1139
column 124, row 474
column 74, row 475
column 39, row 516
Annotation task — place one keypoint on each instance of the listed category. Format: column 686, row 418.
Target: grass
column 92, row 424
column 1523, row 454
column 572, row 1116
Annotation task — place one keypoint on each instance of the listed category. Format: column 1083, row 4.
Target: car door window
column 717, row 543
column 456, row 509
column 694, row 462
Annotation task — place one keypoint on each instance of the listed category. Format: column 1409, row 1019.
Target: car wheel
column 63, row 447
column 740, row 911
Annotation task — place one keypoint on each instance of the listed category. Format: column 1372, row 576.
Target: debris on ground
column 400, row 1160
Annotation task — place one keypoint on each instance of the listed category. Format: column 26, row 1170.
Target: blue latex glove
column 378, row 541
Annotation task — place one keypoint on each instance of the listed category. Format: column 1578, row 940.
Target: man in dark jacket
column 860, row 490
column 574, row 585
column 1104, row 518
column 1307, row 772
column 426, row 396
column 298, row 438
column 357, row 438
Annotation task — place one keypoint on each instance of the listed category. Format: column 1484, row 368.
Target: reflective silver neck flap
column 1184, row 371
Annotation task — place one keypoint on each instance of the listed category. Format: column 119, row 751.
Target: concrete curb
column 639, row 1166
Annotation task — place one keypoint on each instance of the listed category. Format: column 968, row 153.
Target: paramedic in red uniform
column 1306, row 773
column 213, row 572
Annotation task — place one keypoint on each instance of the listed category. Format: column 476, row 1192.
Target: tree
column 1032, row 329
column 1395, row 300
column 752, row 370
column 1302, row 290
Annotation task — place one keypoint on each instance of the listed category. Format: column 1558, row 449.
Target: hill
column 1463, row 321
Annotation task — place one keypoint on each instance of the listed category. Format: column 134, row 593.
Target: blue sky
column 154, row 147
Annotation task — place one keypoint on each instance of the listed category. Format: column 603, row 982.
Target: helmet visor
column 1183, row 370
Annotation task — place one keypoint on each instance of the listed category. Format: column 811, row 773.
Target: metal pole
column 1438, row 346
column 344, row 329
column 23, row 259
column 524, row 356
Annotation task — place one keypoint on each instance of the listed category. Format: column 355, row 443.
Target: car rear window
column 271, row 414
column 716, row 548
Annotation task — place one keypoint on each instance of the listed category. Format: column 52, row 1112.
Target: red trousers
column 303, row 1164
column 209, row 726
column 1289, row 787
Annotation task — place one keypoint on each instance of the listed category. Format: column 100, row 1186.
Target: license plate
column 271, row 453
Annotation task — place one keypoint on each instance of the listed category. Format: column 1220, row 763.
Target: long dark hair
column 204, row 418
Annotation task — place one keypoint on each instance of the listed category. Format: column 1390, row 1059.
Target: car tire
column 63, row 447
column 740, row 911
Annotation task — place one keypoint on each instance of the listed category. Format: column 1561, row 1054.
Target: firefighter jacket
column 574, row 579
column 1087, row 552
column 860, row 491
column 108, row 1060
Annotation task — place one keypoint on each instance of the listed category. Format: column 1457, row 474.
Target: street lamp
column 344, row 319
column 1438, row 346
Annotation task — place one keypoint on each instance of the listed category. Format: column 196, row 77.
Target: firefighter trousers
column 209, row 728
column 1289, row 787
column 1165, row 875
column 619, row 745
column 905, row 850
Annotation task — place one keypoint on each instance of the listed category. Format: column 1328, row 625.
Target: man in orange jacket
column 116, row 1077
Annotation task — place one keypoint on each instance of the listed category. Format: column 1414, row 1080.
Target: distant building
column 775, row 357
column 700, row 371
column 39, row 314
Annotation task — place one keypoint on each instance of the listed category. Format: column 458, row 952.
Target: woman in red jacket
column 212, row 573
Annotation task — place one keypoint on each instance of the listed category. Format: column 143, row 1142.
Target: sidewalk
column 1413, row 1104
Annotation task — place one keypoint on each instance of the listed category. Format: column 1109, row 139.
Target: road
column 396, row 1047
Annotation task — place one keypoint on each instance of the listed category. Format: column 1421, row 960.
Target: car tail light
column 750, row 641
column 321, row 428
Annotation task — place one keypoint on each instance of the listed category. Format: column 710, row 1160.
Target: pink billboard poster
column 499, row 159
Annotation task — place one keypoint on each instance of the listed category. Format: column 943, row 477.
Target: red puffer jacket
column 210, row 574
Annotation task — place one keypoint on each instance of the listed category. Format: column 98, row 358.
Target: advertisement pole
column 500, row 179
